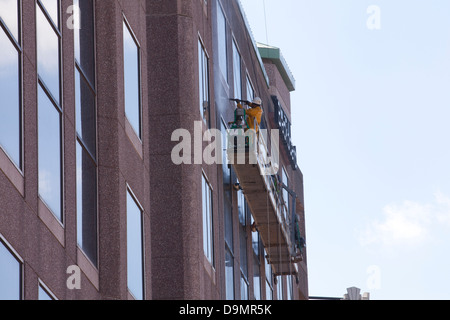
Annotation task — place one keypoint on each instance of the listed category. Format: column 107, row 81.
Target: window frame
column 46, row 289
column 210, row 223
column 18, row 46
column 130, row 192
column 139, row 131
column 79, row 139
column 21, row 262
column 205, row 54
column 249, row 86
column 235, row 49
column 269, row 281
column 243, row 242
column 57, row 104
column 227, row 71
column 284, row 192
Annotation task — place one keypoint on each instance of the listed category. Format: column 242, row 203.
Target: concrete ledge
column 12, row 172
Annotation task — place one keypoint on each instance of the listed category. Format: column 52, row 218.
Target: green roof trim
column 274, row 54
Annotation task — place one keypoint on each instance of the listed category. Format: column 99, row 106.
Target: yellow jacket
column 253, row 113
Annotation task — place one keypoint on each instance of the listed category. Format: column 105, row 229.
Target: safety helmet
column 257, row 101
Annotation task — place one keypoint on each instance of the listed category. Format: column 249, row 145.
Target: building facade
column 96, row 96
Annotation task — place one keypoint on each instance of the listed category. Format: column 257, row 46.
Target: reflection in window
column 250, row 90
column 208, row 241
column 225, row 167
column 285, row 180
column 229, row 274
column 44, row 295
column 279, row 288
column 49, row 160
column 49, row 106
column 256, row 261
column 237, row 72
column 86, row 131
column 86, row 203
column 203, row 67
column 132, row 80
column 256, row 278
column 135, row 260
column 52, row 8
column 269, row 279
column 48, row 54
column 84, row 37
column 290, row 288
column 228, row 217
column 10, row 92
column 9, row 13
column 10, row 275
column 244, row 288
column 222, row 38
column 243, row 244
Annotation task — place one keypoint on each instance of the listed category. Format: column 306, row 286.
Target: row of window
column 50, row 108
column 11, row 266
column 11, row 277
column 243, row 210
column 203, row 63
column 244, row 214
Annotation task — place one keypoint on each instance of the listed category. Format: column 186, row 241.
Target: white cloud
column 402, row 224
column 408, row 223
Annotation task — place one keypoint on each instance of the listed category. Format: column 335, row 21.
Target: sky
column 370, row 121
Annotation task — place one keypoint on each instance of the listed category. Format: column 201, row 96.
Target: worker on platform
column 254, row 113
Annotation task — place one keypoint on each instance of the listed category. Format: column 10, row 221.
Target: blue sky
column 370, row 121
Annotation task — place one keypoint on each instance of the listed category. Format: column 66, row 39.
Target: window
column 269, row 280
column 135, row 253
column 44, row 293
column 229, row 274
column 222, row 38
column 229, row 249
column 279, row 288
column 203, row 83
column 9, row 15
column 256, row 262
column 49, row 106
column 225, row 167
column 10, row 275
column 237, row 72
column 10, row 81
column 290, row 288
column 208, row 238
column 48, row 47
column 52, row 7
column 228, row 217
column 49, row 140
column 131, row 57
column 250, row 90
column 256, row 278
column 86, row 141
column 285, row 180
column 243, row 244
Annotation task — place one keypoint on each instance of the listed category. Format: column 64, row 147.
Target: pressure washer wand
column 239, row 101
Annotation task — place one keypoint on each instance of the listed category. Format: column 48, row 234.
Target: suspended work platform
column 257, row 174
